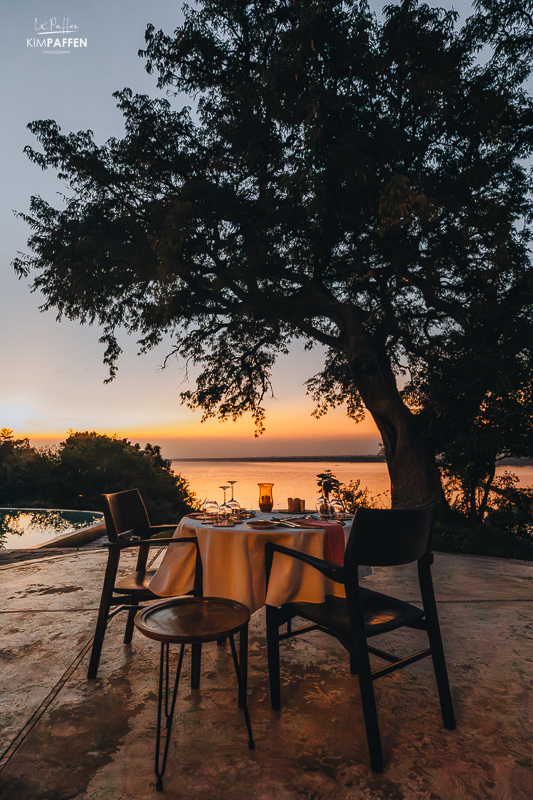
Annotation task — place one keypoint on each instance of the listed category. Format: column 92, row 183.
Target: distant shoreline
column 281, row 459
column 505, row 462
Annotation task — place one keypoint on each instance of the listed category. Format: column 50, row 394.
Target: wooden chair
column 379, row 537
column 128, row 527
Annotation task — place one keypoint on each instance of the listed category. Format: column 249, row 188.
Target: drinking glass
column 232, row 503
column 211, row 507
column 337, row 508
column 322, row 507
column 224, row 510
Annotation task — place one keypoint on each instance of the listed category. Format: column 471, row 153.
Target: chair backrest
column 125, row 511
column 383, row 537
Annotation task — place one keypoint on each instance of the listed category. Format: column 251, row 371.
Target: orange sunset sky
column 64, row 390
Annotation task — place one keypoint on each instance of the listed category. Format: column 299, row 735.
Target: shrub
column 86, row 465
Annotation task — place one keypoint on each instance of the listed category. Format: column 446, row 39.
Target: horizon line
column 354, row 458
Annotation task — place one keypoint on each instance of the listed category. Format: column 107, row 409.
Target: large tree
column 313, row 173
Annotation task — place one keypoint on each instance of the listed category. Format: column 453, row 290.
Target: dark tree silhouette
column 335, row 178
column 86, row 465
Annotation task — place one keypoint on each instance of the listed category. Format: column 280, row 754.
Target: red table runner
column 334, row 544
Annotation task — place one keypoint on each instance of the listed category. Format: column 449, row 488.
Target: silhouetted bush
column 83, row 467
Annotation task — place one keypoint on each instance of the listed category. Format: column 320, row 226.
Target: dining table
column 233, row 562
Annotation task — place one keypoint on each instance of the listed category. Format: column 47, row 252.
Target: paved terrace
column 64, row 738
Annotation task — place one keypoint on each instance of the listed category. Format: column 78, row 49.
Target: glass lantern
column 266, row 500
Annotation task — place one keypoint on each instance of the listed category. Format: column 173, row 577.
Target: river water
column 293, row 479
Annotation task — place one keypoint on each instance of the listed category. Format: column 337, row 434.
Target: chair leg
column 360, row 660
column 441, row 675
column 128, row 633
column 103, row 612
column 242, row 688
column 368, row 701
column 273, row 657
column 196, row 665
column 435, row 643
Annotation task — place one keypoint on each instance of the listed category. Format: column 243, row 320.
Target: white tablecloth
column 233, row 561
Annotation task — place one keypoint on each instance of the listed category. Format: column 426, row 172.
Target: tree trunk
column 415, row 478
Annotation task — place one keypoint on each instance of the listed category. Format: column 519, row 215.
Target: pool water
column 27, row 527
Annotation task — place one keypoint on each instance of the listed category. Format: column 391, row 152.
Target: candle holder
column 266, row 500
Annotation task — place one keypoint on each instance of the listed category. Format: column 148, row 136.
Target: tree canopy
column 314, row 173
column 83, row 467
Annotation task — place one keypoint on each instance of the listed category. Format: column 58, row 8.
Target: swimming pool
column 28, row 527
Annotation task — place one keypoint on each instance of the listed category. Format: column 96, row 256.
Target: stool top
column 190, row 620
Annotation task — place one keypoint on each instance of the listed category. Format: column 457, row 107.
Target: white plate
column 262, row 525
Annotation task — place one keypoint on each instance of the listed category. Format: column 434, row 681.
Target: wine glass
column 224, row 509
column 322, row 507
column 211, row 507
column 232, row 503
column 337, row 508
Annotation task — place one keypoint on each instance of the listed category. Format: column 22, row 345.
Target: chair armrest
column 332, row 571
column 160, row 528
column 132, row 538
column 129, row 539
column 143, row 546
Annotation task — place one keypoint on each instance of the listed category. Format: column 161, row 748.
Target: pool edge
column 75, row 538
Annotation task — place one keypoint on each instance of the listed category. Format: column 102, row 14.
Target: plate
column 262, row 525
column 296, row 513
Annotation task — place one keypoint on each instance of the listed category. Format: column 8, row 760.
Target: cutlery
column 288, row 523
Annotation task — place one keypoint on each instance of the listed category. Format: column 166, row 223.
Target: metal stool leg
column 243, row 660
column 185, row 624
column 242, row 691
column 169, row 715
column 196, row 665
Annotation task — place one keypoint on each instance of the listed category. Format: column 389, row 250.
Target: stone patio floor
column 64, row 738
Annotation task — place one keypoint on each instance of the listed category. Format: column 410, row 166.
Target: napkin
column 334, row 544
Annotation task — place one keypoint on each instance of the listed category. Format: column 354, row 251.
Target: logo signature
column 56, row 37
column 51, row 26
